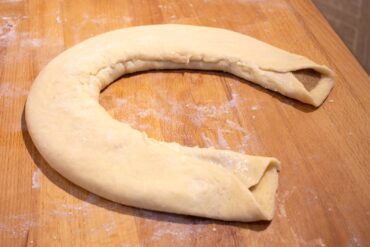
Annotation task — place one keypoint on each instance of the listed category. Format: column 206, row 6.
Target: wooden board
column 323, row 197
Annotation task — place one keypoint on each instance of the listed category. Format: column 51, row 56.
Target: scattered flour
column 235, row 126
column 31, row 42
column 234, row 100
column 178, row 230
column 127, row 19
column 282, row 210
column 172, row 231
column 221, row 140
column 119, row 102
column 36, row 179
column 177, row 233
column 18, row 225
column 12, row 1
column 312, row 242
column 96, row 20
column 267, row 4
column 8, row 30
column 281, row 201
column 255, row 108
column 10, row 90
column 207, row 141
column 245, row 143
column 354, row 242
column 58, row 19
column 170, row 111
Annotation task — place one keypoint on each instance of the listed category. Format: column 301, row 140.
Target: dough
column 86, row 145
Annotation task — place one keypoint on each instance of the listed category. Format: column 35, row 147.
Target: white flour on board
column 18, row 225
column 235, row 126
column 282, row 199
column 266, row 3
column 221, row 140
column 9, row 89
column 174, row 231
column 178, row 230
column 58, row 19
column 255, row 108
column 312, row 242
column 11, row 1
column 168, row 110
column 354, row 242
column 36, row 179
column 7, row 29
column 207, row 141
column 127, row 19
column 31, row 42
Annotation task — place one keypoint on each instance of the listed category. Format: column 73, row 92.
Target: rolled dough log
column 86, row 145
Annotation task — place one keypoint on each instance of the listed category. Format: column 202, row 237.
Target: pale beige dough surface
column 86, row 145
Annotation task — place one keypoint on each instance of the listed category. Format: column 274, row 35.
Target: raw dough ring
column 86, row 145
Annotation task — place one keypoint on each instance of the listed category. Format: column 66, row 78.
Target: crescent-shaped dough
column 86, row 145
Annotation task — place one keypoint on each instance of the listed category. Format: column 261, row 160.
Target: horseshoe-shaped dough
column 85, row 144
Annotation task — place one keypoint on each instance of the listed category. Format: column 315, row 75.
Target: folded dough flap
column 265, row 184
column 304, row 80
column 259, row 175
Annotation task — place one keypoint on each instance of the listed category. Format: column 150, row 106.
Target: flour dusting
column 178, row 233
column 8, row 29
column 31, row 42
column 167, row 109
column 66, row 209
column 58, row 19
column 36, row 179
column 221, row 140
column 233, row 102
column 245, row 143
column 127, row 19
column 282, row 210
column 18, row 225
column 312, row 242
column 207, row 141
column 282, row 199
column 255, row 108
column 10, row 90
column 174, row 229
column 354, row 242
column 235, row 126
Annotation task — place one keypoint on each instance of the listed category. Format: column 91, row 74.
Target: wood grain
column 323, row 197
